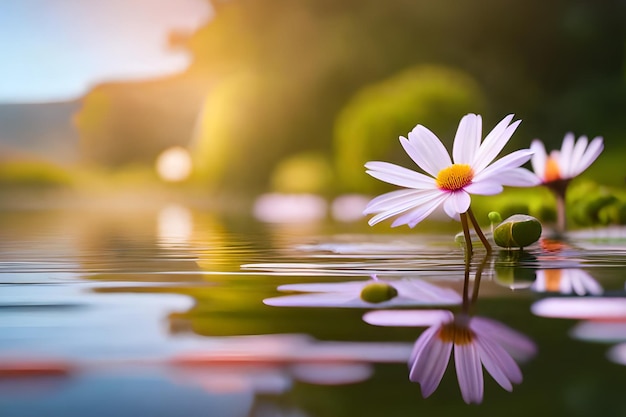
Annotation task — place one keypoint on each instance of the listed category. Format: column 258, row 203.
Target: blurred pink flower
column 477, row 342
column 570, row 161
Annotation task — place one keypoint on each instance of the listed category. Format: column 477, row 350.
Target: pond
column 178, row 312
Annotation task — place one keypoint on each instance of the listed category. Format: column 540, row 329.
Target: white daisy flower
column 374, row 293
column 570, row 161
column 449, row 182
column 477, row 342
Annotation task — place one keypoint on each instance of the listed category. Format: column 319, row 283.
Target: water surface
column 160, row 313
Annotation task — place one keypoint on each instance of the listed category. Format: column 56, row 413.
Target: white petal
column 457, row 202
column 498, row 363
column 494, row 143
column 426, row 150
column 426, row 293
column 390, row 200
column 397, row 175
column 350, row 286
column 484, row 188
column 593, row 151
column 574, row 160
column 413, row 217
column 407, row 318
column 339, row 299
column 565, row 158
column 467, row 139
column 539, row 158
column 510, row 161
column 416, row 202
column 519, row 177
column 469, row 372
column 430, row 362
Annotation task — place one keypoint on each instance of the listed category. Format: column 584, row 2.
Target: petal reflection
column 407, row 292
column 475, row 341
column 566, row 281
column 581, row 308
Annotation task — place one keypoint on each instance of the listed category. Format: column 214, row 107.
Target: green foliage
column 368, row 127
column 303, row 173
column 593, row 205
column 33, row 174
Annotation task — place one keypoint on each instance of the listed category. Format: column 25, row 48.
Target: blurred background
column 219, row 102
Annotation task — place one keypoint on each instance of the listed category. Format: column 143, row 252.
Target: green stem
column 561, row 222
column 468, row 239
column 477, row 278
column 479, row 232
column 466, row 300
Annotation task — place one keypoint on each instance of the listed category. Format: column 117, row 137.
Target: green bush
column 369, row 125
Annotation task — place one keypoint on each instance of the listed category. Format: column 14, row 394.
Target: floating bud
column 494, row 217
column 377, row 292
column 517, row 231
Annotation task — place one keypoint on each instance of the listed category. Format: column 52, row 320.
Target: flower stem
column 466, row 234
column 560, row 212
column 466, row 300
column 477, row 278
column 479, row 232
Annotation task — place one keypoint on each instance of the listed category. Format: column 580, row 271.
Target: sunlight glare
column 174, row 164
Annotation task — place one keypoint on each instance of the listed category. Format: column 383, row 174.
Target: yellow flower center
column 453, row 333
column 454, row 177
column 553, row 172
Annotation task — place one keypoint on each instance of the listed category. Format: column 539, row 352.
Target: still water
column 178, row 312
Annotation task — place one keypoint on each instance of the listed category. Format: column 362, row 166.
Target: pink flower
column 448, row 183
column 570, row 161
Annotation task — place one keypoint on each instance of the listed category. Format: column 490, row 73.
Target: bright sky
column 52, row 50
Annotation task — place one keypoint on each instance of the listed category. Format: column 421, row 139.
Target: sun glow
column 174, row 164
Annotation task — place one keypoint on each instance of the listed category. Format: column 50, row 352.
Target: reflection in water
column 404, row 292
column 566, row 281
column 477, row 342
column 174, row 226
column 603, row 319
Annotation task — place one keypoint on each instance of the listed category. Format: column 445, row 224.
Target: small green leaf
column 377, row 292
column 517, row 231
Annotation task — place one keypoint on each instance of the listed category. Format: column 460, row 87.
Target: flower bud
column 377, row 292
column 517, row 231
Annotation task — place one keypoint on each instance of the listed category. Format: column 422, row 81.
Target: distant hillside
column 39, row 131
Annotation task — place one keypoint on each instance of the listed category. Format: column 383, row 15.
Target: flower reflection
column 566, row 281
column 476, row 341
column 366, row 294
column 603, row 320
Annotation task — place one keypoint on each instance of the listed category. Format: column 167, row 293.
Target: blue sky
column 54, row 50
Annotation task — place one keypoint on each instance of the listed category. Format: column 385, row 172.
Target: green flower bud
column 517, row 231
column 377, row 292
column 494, row 217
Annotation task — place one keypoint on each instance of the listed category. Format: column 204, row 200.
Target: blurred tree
column 278, row 72
column 129, row 123
column 368, row 127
